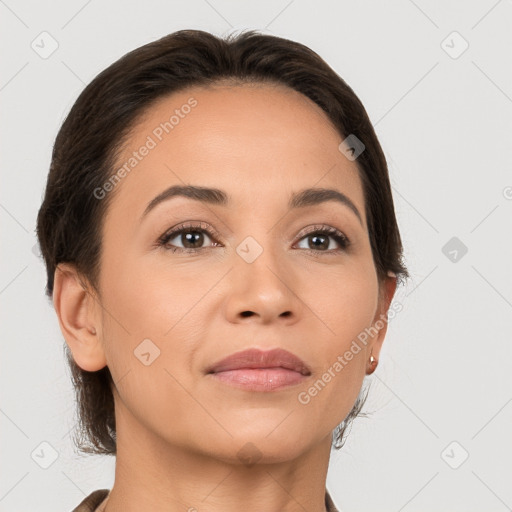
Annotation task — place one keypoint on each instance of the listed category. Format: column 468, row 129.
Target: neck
column 152, row 474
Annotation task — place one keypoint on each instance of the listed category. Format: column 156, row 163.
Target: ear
column 386, row 292
column 79, row 319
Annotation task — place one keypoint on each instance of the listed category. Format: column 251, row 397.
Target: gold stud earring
column 373, row 365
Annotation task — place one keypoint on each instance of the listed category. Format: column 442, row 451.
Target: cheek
column 344, row 300
column 150, row 342
column 154, row 298
column 154, row 314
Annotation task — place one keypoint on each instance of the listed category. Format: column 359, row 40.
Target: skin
column 179, row 431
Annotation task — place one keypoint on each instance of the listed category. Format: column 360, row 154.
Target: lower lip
column 260, row 379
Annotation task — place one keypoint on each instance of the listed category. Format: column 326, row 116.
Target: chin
column 260, row 449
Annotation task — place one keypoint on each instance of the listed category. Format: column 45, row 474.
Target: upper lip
column 255, row 358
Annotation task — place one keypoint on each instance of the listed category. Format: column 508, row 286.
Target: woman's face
column 251, row 272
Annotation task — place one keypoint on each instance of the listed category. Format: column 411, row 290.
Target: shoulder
column 91, row 502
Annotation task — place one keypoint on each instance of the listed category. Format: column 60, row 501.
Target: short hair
column 69, row 222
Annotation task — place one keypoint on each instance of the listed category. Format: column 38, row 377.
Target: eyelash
column 337, row 235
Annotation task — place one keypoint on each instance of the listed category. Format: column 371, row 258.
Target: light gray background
column 444, row 121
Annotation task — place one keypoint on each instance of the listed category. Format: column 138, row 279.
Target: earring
column 373, row 364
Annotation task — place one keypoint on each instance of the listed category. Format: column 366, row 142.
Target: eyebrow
column 215, row 196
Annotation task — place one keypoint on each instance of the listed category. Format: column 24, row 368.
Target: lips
column 255, row 358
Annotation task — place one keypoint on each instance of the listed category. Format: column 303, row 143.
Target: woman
column 222, row 251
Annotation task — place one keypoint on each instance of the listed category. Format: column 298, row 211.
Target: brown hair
column 86, row 148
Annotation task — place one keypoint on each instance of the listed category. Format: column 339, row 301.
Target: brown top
column 92, row 502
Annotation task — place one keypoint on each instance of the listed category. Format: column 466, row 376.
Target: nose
column 261, row 287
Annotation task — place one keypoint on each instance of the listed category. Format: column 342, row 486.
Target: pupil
column 316, row 238
column 190, row 237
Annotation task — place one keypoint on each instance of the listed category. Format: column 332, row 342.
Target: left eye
column 321, row 240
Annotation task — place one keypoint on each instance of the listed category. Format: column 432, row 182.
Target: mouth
column 256, row 370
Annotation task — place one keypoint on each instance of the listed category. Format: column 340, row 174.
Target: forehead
column 255, row 141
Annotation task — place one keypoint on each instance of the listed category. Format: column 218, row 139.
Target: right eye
column 187, row 234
